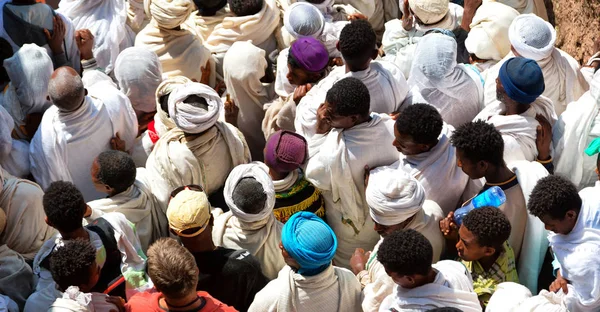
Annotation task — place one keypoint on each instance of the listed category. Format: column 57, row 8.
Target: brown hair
column 172, row 268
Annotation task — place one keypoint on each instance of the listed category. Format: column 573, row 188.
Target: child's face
column 94, row 277
column 468, row 248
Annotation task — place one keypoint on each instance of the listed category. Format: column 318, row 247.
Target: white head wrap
column 139, row 72
column 429, row 11
column 507, row 297
column 532, row 37
column 29, row 70
column 488, row 38
column 169, row 14
column 162, row 122
column 393, row 196
column 303, row 19
column 192, row 119
column 252, row 170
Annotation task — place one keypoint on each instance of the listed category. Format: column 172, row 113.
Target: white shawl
column 26, row 229
column 333, row 290
column 443, row 180
column 572, row 134
column 456, row 91
column 16, row 277
column 260, row 238
column 14, row 154
column 488, row 38
column 107, row 22
column 257, row 28
column 206, row 24
column 243, row 67
column 49, row 147
column 452, row 287
column 387, row 87
column 536, row 7
column 140, row 206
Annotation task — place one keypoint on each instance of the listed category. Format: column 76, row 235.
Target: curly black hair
column 64, row 206
column 479, row 141
column 249, row 195
column 406, row 252
column 554, row 196
column 357, row 42
column 422, row 122
column 116, row 169
column 70, row 264
column 245, row 7
column 350, row 97
column 489, row 225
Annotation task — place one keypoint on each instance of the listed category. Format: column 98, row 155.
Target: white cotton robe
column 336, row 167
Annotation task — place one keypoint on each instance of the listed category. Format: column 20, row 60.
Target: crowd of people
column 295, row 156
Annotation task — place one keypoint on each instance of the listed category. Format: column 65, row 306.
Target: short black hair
column 6, row 52
column 245, row 7
column 357, row 42
column 164, row 103
column 445, row 309
column 70, row 264
column 64, row 206
column 116, row 169
column 249, row 195
column 350, row 97
column 489, row 225
column 479, row 141
column 406, row 252
column 422, row 122
column 196, row 101
column 554, row 196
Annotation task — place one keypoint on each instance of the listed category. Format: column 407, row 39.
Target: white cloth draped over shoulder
column 70, row 46
column 488, row 37
column 14, row 154
column 518, row 131
column 139, row 73
column 456, row 91
column 243, row 67
column 536, row 7
column 29, row 70
column 336, row 167
column 399, row 45
column 257, row 28
column 573, row 132
column 387, row 88
column 107, row 22
column 452, row 287
column 564, row 81
column 26, row 228
column 332, row 290
column 443, row 180
column 140, row 206
column 206, row 24
column 66, row 144
column 179, row 50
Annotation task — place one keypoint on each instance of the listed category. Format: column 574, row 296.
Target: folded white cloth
column 488, row 37
column 162, row 121
column 139, row 73
column 255, row 171
column 190, row 118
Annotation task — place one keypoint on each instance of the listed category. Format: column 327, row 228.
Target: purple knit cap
column 310, row 53
column 285, row 151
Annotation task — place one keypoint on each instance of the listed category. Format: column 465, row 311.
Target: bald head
column 66, row 89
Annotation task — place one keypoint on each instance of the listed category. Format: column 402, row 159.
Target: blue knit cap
column 522, row 79
column 310, row 241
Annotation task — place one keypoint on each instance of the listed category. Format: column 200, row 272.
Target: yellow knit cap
column 187, row 210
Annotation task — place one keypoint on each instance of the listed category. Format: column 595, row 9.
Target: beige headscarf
column 488, row 38
column 169, row 14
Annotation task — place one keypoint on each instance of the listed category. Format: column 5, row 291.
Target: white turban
column 162, row 122
column 488, row 38
column 393, row 196
column 192, row 119
column 139, row 72
column 303, row 19
column 532, row 37
column 429, row 11
column 29, row 70
column 252, row 170
column 169, row 14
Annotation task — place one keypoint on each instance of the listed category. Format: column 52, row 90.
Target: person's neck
column 499, row 175
column 514, row 108
column 79, row 233
column 198, row 243
column 362, row 119
column 182, row 304
column 426, row 279
column 357, row 68
column 487, row 262
column 276, row 176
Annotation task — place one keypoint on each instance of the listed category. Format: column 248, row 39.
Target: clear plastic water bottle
column 494, row 197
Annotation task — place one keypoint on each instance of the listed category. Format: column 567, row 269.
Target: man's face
column 560, row 226
column 297, row 76
column 468, row 248
column 335, row 120
column 473, row 170
column 404, row 144
column 385, row 230
column 287, row 258
column 99, row 186
column 403, row 280
column 500, row 93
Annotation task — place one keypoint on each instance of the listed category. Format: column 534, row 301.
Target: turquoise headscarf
column 310, row 241
column 593, row 148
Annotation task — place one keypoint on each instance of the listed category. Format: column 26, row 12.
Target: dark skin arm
column 470, row 7
column 450, row 231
